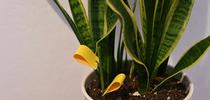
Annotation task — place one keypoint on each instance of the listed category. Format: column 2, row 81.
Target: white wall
column 36, row 49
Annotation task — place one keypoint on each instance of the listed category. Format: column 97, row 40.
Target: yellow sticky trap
column 116, row 83
column 85, row 55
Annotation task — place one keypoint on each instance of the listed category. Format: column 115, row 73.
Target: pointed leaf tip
column 191, row 57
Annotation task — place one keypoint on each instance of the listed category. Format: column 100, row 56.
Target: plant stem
column 131, row 70
column 101, row 78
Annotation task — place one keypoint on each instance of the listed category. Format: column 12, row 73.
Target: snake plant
column 162, row 24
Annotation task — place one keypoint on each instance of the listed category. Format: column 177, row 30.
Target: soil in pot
column 171, row 90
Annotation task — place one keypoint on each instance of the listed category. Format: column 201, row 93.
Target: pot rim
column 190, row 93
column 83, row 86
column 87, row 97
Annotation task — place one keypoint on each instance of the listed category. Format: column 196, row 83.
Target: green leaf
column 70, row 21
column 140, row 46
column 175, row 24
column 128, row 22
column 97, row 14
column 191, row 57
column 142, row 75
column 120, row 51
column 103, row 21
column 111, row 20
column 163, row 67
column 105, row 51
column 82, row 22
column 162, row 9
column 143, row 18
column 158, row 20
column 147, row 8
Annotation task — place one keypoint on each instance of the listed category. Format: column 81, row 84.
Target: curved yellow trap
column 85, row 55
column 116, row 83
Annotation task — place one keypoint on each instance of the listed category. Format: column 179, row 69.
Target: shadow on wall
column 58, row 12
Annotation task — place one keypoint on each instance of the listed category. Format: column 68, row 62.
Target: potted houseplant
column 132, row 63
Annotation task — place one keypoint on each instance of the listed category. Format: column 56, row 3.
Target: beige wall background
column 36, row 48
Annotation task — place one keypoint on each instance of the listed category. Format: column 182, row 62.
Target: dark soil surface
column 171, row 90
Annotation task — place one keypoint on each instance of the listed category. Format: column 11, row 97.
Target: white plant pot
column 182, row 77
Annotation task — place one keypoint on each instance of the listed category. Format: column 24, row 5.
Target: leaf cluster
column 162, row 24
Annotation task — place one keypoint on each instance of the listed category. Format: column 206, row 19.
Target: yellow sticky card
column 86, row 56
column 116, row 83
